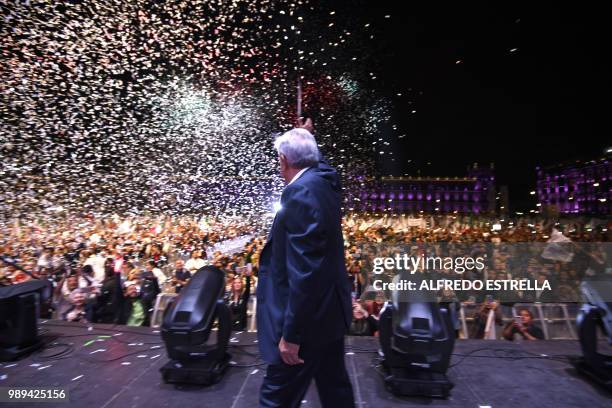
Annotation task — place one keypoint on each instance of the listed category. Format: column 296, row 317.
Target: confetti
column 77, row 377
column 113, row 108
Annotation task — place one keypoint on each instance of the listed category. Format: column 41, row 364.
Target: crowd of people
column 111, row 269
column 563, row 253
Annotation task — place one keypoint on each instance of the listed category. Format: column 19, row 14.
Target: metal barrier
column 161, row 303
column 554, row 319
column 557, row 320
column 251, row 314
column 466, row 315
column 163, row 299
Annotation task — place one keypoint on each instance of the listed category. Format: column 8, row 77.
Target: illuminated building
column 473, row 194
column 578, row 187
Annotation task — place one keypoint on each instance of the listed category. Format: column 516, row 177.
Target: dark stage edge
column 495, row 382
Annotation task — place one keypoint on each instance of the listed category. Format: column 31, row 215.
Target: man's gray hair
column 299, row 147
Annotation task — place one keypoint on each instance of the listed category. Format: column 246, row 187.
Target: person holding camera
column 483, row 327
column 524, row 326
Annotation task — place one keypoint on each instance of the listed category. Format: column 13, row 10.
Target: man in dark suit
column 303, row 294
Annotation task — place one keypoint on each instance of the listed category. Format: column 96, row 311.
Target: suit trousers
column 285, row 386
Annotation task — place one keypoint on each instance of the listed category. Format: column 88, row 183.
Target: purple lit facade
column 577, row 188
column 474, row 194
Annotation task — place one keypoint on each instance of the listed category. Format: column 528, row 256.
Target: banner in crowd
column 229, row 246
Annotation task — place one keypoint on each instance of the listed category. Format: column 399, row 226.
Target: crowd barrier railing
column 557, row 320
column 161, row 303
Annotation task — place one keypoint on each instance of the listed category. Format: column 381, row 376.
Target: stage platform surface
column 118, row 366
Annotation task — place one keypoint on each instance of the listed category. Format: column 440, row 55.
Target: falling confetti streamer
column 169, row 107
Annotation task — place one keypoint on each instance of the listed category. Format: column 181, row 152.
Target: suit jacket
column 304, row 294
column 107, row 301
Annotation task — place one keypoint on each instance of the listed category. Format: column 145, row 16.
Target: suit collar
column 298, row 175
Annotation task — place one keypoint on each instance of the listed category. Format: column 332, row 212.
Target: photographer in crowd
column 483, row 322
column 523, row 326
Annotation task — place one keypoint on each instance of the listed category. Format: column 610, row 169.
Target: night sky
column 519, row 87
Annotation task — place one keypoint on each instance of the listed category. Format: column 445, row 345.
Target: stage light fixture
column 19, row 312
column 596, row 312
column 416, row 338
column 186, row 329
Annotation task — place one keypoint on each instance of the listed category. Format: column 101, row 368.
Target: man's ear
column 283, row 160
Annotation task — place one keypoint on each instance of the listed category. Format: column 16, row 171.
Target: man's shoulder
column 304, row 191
column 296, row 189
column 313, row 178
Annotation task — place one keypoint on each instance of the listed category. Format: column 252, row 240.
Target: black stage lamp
column 19, row 312
column 596, row 312
column 186, row 327
column 417, row 338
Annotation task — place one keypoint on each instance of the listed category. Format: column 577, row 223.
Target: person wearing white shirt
column 195, row 262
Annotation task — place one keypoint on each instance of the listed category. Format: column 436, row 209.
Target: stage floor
column 121, row 369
